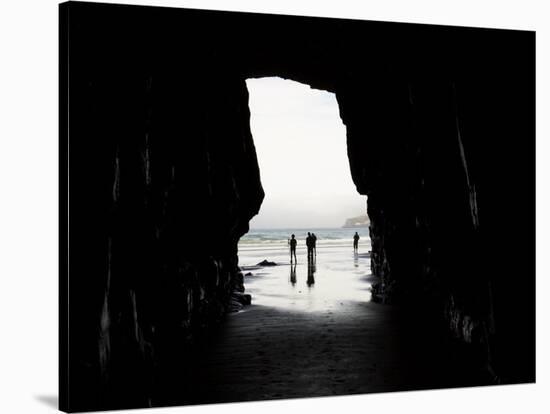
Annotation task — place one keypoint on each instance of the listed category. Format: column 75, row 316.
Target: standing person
column 309, row 244
column 314, row 243
column 355, row 242
column 292, row 243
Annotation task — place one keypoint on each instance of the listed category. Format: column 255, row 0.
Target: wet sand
column 301, row 339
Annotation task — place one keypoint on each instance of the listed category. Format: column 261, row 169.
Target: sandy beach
column 335, row 277
column 310, row 338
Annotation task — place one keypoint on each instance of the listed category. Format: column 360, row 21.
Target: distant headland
column 359, row 221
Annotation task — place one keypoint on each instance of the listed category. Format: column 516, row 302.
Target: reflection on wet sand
column 310, row 271
column 334, row 277
column 293, row 273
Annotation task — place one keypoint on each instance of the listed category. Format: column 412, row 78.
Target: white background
column 28, row 203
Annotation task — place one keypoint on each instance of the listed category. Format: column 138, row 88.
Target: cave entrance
column 300, row 143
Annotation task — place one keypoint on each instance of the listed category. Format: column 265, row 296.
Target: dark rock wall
column 163, row 182
column 163, row 178
column 435, row 151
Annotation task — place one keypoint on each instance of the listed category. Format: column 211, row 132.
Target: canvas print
column 258, row 207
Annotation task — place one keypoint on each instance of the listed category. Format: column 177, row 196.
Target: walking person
column 355, row 242
column 292, row 243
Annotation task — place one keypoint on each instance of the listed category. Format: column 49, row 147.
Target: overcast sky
column 301, row 145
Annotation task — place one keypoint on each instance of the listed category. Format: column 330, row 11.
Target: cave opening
column 165, row 180
column 300, row 144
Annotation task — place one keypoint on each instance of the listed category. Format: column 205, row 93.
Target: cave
column 158, row 151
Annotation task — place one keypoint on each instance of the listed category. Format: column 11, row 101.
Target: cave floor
column 320, row 344
column 268, row 353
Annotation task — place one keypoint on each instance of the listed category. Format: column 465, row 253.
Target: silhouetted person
column 314, row 239
column 293, row 274
column 292, row 243
column 309, row 244
column 355, row 242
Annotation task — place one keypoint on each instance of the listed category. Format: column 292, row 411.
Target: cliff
column 359, row 221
